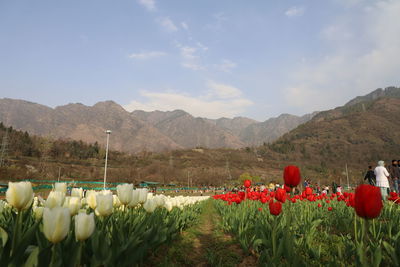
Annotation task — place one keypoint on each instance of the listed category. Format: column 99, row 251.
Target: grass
column 204, row 244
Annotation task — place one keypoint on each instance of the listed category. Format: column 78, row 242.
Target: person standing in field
column 370, row 175
column 382, row 179
column 394, row 172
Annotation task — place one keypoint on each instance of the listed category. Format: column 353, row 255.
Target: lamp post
column 108, row 132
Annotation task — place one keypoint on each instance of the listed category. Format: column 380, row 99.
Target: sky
column 211, row 58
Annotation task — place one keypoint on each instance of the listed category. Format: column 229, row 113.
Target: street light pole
column 108, row 132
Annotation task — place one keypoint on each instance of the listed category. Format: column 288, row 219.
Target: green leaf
column 32, row 260
column 3, row 236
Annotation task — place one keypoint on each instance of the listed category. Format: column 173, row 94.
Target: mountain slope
column 393, row 92
column 358, row 135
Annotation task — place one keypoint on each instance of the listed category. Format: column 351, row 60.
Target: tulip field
column 100, row 229
column 132, row 227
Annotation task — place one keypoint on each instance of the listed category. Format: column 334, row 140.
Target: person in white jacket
column 382, row 178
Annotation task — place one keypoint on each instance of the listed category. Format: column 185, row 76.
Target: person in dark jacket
column 370, row 175
column 394, row 172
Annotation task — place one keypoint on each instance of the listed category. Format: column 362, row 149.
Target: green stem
column 53, row 255
column 274, row 238
column 17, row 229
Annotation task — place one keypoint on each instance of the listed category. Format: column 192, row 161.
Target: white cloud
column 214, row 103
column 150, row 5
column 295, row 11
column 184, row 25
column 167, row 24
column 147, row 55
column 190, row 59
column 225, row 65
column 223, row 91
column 363, row 58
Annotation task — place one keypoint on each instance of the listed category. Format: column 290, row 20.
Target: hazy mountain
column 189, row 131
column 271, row 129
column 80, row 122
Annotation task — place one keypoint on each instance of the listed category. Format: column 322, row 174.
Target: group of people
column 384, row 178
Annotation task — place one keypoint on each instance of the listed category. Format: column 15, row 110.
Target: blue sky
column 212, row 58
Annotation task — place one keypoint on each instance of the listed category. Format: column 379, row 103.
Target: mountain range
column 139, row 130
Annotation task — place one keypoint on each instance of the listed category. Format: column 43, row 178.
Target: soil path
column 203, row 245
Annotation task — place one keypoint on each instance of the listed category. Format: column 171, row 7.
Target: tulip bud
column 150, row 205
column 124, row 192
column 38, row 212
column 20, row 195
column 143, row 195
column 56, row 223
column 104, row 204
column 73, row 204
column 55, row 199
column 84, row 226
column 60, row 187
column 91, row 198
column 116, row 202
column 77, row 192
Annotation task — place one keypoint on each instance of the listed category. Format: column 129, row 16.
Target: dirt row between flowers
column 204, row 244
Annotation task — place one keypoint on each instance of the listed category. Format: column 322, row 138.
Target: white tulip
column 150, row 205
column 135, row 198
column 104, row 204
column 91, row 198
column 160, row 200
column 56, row 223
column 124, row 192
column 143, row 195
column 55, row 199
column 168, row 205
column 77, row 192
column 73, row 204
column 84, row 226
column 60, row 187
column 20, row 195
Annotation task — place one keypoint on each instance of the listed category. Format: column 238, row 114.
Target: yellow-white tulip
column 168, row 205
column 55, row 199
column 124, row 192
column 60, row 187
column 104, row 204
column 20, row 195
column 56, row 223
column 116, row 202
column 91, row 198
column 84, row 226
column 73, row 204
column 77, row 192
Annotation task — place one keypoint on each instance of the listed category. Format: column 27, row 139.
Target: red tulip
column 291, row 176
column 247, row 183
column 280, row 195
column 368, row 201
column 260, row 209
column 319, row 205
column 330, row 208
column 308, row 191
column 275, row 208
